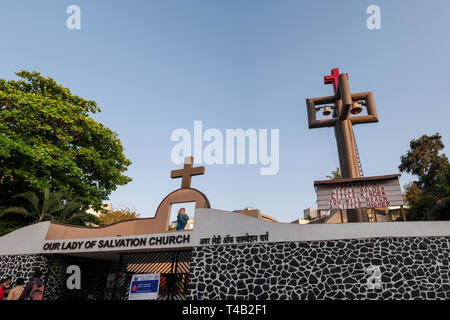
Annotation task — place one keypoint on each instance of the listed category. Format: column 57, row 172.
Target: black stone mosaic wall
column 54, row 268
column 382, row 268
column 21, row 266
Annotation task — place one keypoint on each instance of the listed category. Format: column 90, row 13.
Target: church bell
column 326, row 111
column 356, row 108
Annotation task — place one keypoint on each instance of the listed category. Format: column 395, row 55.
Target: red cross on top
column 333, row 78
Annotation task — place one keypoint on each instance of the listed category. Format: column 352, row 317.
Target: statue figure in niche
column 182, row 219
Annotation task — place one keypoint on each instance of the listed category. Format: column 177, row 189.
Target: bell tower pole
column 346, row 146
column 343, row 128
column 348, row 160
column 345, row 103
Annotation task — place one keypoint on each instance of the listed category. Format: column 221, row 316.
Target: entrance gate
column 173, row 267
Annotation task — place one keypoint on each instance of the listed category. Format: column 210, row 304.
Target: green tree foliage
column 335, row 174
column 434, row 204
column 428, row 198
column 72, row 213
column 51, row 207
column 442, row 205
column 48, row 140
column 11, row 223
column 424, row 160
column 113, row 216
column 413, row 192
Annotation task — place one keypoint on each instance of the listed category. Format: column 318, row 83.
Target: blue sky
column 155, row 66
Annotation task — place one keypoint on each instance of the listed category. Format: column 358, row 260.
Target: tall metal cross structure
column 345, row 106
column 187, row 172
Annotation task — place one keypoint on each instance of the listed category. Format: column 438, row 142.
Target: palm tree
column 72, row 213
column 335, row 174
column 40, row 211
column 52, row 207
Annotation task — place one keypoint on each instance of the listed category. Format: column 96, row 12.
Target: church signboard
column 144, row 286
column 354, row 193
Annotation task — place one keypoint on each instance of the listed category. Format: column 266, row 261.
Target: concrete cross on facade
column 342, row 121
column 187, row 172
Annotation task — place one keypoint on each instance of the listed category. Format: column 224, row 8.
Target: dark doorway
column 173, row 267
